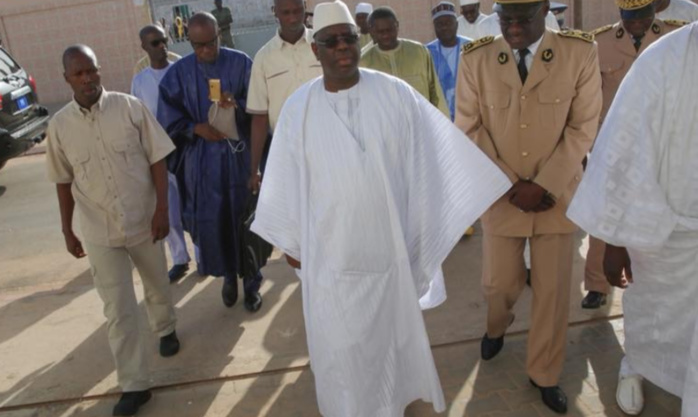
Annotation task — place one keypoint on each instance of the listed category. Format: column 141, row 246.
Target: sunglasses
column 505, row 21
column 155, row 43
column 333, row 41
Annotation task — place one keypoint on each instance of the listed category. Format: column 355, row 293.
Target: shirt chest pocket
column 129, row 154
column 555, row 103
column 494, row 111
column 613, row 69
column 278, row 79
column 80, row 160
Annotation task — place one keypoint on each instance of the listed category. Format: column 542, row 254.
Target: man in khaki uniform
column 106, row 153
column 619, row 46
column 224, row 17
column 531, row 100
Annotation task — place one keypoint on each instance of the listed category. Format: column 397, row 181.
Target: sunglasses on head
column 333, row 41
column 155, row 43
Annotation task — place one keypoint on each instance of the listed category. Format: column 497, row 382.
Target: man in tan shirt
column 531, row 99
column 619, row 46
column 282, row 65
column 106, row 154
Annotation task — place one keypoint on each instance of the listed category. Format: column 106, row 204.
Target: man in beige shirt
column 282, row 65
column 106, row 154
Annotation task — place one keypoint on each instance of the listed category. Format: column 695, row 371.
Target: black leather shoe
column 253, row 302
column 230, row 293
column 130, row 402
column 169, row 345
column 553, row 397
column 177, row 272
column 489, row 348
column 593, row 300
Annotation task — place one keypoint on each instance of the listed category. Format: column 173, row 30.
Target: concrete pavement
column 54, row 358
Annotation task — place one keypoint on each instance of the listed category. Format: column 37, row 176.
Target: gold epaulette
column 679, row 23
column 470, row 47
column 577, row 34
column 602, row 29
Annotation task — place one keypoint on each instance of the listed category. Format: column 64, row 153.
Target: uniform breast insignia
column 679, row 23
column 548, row 55
column 577, row 34
column 470, row 47
column 656, row 29
column 602, row 29
column 503, row 58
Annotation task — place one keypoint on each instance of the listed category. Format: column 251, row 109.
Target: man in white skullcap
column 470, row 19
column 445, row 50
column 366, row 200
column 363, row 10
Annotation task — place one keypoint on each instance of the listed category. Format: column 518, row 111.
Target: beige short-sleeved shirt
column 106, row 153
column 278, row 70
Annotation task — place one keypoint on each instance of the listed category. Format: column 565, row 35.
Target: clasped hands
column 528, row 196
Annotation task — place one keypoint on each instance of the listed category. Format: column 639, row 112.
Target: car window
column 7, row 65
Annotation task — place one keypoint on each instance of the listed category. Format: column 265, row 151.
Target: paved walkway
column 54, row 358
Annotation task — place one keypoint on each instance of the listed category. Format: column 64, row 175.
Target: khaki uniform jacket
column 617, row 54
column 540, row 131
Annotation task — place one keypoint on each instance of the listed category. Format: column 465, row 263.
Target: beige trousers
column 503, row 280
column 111, row 270
column 594, row 278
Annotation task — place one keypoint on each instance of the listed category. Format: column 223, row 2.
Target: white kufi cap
column 468, row 2
column 330, row 14
column 364, row 8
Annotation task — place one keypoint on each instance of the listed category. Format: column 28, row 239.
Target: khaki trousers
column 594, row 278
column 503, row 280
column 111, row 270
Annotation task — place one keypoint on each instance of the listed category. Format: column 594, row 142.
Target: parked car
column 23, row 121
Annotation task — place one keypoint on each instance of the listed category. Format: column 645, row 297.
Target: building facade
column 36, row 32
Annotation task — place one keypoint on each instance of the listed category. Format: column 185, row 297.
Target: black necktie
column 637, row 42
column 523, row 71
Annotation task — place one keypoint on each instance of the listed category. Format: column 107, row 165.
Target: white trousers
column 175, row 240
column 113, row 279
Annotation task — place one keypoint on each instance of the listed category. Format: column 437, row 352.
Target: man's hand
column 208, row 132
column 616, row 266
column 293, row 262
column 254, row 183
column 545, row 205
column 227, row 101
column 160, row 226
column 526, row 195
column 73, row 244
